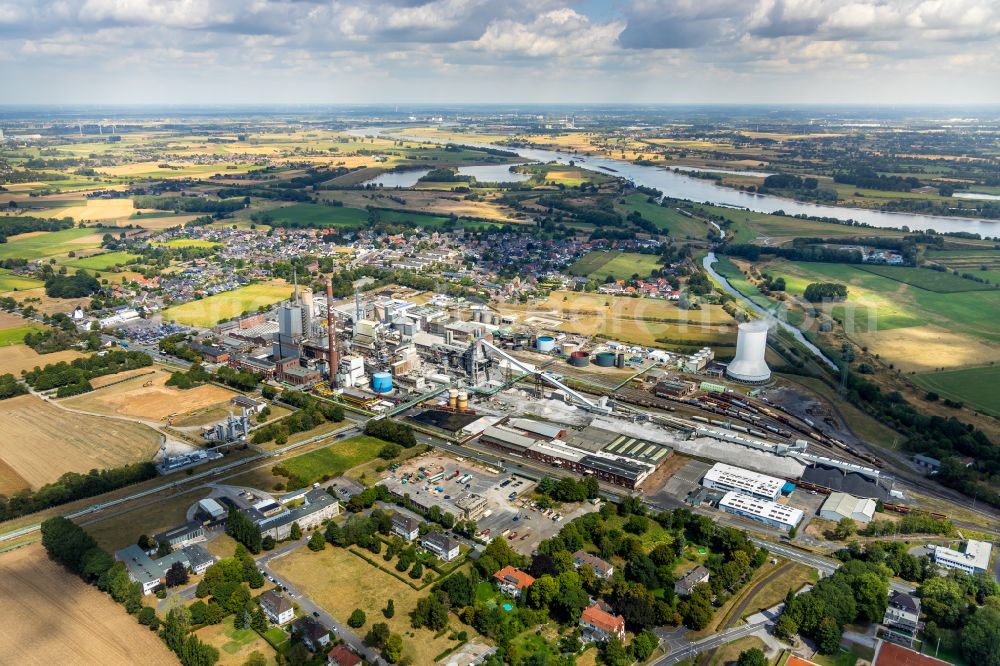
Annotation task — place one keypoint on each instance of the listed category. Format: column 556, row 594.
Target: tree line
column 74, row 377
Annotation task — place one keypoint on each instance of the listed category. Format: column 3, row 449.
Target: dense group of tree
column 13, row 225
column 174, row 345
column 190, row 204
column 61, row 334
column 391, row 431
column 784, row 181
column 798, row 252
column 818, row 292
column 73, row 486
column 10, row 387
column 243, row 529
column 74, row 377
column 913, row 523
column 869, row 179
column 311, row 412
column 77, row 285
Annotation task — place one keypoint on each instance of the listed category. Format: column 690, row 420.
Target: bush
column 357, row 619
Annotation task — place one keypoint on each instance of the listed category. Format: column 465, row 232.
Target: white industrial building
column 975, row 559
column 729, row 478
column 841, row 505
column 749, row 365
column 763, row 511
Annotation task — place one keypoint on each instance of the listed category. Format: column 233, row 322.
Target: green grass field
column 673, row 222
column 620, row 265
column 316, row 215
column 15, row 335
column 334, row 460
column 979, row 388
column 11, row 282
column 924, row 278
column 102, row 262
column 155, row 214
column 207, row 312
column 50, row 244
column 189, row 242
column 748, row 225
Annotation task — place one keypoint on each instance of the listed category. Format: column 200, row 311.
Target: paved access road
column 684, row 649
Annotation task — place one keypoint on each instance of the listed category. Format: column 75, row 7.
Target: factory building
column 317, row 506
column 749, row 366
column 841, row 505
column 729, row 478
column 763, row 511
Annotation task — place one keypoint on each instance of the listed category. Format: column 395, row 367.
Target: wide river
column 679, row 186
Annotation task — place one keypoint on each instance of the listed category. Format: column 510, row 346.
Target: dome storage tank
column 749, row 365
column 382, row 382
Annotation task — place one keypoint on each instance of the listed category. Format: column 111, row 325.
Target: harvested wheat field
column 41, row 442
column 98, row 210
column 16, row 358
column 154, row 402
column 10, row 480
column 46, row 304
column 50, row 616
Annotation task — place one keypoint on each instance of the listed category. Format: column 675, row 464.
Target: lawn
column 620, row 265
column 190, row 242
column 102, row 262
column 234, row 645
column 673, row 222
column 333, row 460
column 15, row 335
column 340, row 581
column 317, row 215
column 209, row 311
column 50, row 243
column 923, row 278
column 978, row 388
column 11, row 282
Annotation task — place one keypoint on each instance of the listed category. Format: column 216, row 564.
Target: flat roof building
column 975, row 559
column 841, row 505
column 763, row 511
column 729, row 478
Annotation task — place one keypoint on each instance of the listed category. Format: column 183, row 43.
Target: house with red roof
column 600, row 625
column 513, row 581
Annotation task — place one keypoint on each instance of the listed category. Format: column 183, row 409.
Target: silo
column 382, row 382
column 453, row 398
column 463, row 400
column 620, row 361
column 749, row 365
column 579, row 359
column 545, row 343
column 604, row 359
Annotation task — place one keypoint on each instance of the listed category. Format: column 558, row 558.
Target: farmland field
column 637, row 320
column 675, row 223
column 101, row 262
column 41, row 441
column 333, row 460
column 923, row 278
column 50, row 616
column 979, row 388
column 11, row 282
column 317, row 215
column 17, row 358
column 340, row 581
column 189, row 242
column 15, row 334
column 598, row 265
column 211, row 310
column 133, row 398
column 48, row 244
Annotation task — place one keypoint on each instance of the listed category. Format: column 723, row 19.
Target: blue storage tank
column 545, row 343
column 382, row 382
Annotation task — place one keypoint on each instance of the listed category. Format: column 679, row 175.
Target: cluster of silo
column 458, row 399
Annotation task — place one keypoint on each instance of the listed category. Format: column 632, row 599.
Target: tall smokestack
column 333, row 356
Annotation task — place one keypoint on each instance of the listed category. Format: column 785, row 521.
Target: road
column 310, row 608
column 685, row 649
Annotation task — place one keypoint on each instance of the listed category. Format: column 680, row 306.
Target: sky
column 886, row 52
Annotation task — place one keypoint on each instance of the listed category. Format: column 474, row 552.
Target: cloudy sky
column 517, row 51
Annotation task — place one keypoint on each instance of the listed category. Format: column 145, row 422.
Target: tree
column 176, row 628
column 267, row 543
column 255, row 658
column 542, row 592
column 643, row 646
column 296, row 532
column 981, row 637
column 389, row 610
column 828, row 635
column 377, row 635
column 357, row 619
column 240, row 527
column 316, row 541
column 752, row 657
column 845, row 528
column 147, row 617
column 943, row 601
column 176, row 575
column 393, row 650
column 615, row 653
column 163, row 549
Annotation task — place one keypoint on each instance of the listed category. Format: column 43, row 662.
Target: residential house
column 601, row 568
column 341, row 656
column 513, row 581
column 277, row 607
column 599, row 625
column 902, row 618
column 405, row 526
column 441, row 545
column 313, row 634
column 687, row 582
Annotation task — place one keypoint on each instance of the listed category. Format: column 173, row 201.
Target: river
column 680, row 186
column 710, row 259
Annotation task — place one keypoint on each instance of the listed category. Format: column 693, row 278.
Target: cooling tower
column 749, row 365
